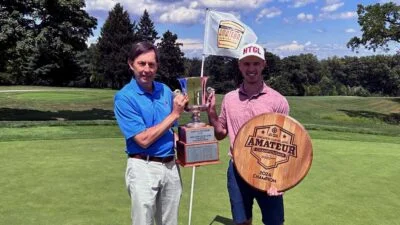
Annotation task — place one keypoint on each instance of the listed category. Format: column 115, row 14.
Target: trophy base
column 195, row 134
column 196, row 124
column 197, row 154
column 197, row 146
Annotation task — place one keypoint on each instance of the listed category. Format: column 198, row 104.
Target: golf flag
column 225, row 35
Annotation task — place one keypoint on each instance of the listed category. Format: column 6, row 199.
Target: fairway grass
column 23, row 106
column 81, row 181
column 62, row 162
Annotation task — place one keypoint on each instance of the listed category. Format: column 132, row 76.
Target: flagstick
column 194, row 167
column 191, row 195
column 202, row 65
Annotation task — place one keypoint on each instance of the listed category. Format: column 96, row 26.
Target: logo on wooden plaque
column 271, row 142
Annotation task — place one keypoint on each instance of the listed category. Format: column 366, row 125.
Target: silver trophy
column 196, row 144
column 195, row 88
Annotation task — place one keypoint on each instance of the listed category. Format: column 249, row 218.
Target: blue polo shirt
column 137, row 110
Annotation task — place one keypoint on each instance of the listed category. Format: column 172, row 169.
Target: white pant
column 155, row 189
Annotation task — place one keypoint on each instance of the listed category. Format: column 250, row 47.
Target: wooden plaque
column 272, row 150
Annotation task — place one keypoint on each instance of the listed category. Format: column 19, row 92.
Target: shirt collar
column 139, row 89
column 263, row 91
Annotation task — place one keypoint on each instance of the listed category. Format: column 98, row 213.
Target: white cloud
column 269, row 13
column 152, row 8
column 394, row 1
column 347, row 15
column 193, row 5
column 287, row 20
column 181, row 15
column 350, row 30
column 294, row 46
column 91, row 40
column 191, row 44
column 305, row 17
column 301, row 3
column 100, row 4
column 179, row 11
column 322, row 51
column 331, row 2
column 233, row 4
column 192, row 48
column 332, row 7
column 136, row 8
column 343, row 15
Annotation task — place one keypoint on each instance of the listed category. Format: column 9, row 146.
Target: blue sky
column 283, row 27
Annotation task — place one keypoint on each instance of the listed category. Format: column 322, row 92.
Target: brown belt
column 152, row 158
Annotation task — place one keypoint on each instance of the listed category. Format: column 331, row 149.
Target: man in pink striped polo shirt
column 253, row 97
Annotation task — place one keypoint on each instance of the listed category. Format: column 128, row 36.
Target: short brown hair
column 141, row 47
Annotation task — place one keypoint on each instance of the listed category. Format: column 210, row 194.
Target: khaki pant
column 155, row 189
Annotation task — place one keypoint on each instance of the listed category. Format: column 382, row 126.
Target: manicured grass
column 80, row 181
column 351, row 114
column 62, row 161
column 68, row 106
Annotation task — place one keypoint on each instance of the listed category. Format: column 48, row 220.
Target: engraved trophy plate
column 194, row 135
column 198, row 153
column 197, row 144
column 272, row 150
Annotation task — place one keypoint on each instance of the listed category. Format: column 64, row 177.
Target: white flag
column 225, row 35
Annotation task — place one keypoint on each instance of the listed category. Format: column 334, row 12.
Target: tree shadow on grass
column 396, row 100
column 221, row 220
column 392, row 118
column 9, row 114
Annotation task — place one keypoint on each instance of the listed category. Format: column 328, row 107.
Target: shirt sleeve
column 283, row 106
column 222, row 116
column 130, row 121
column 175, row 124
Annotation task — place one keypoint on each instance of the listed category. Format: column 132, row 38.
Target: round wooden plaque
column 272, row 150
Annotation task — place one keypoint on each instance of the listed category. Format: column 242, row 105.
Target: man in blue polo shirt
column 145, row 111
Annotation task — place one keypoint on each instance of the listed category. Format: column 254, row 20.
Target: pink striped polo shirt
column 237, row 108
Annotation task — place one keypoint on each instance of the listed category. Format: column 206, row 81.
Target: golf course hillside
column 62, row 161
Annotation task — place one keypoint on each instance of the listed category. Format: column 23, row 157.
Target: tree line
column 305, row 75
column 44, row 43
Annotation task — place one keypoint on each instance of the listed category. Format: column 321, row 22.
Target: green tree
column 14, row 27
column 115, row 41
column 17, row 44
column 353, row 69
column 301, row 71
column 88, row 62
column 380, row 24
column 218, row 69
column 394, row 82
column 192, row 67
column 273, row 66
column 335, row 66
column 171, row 60
column 283, row 84
column 42, row 39
column 232, row 77
column 146, row 30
